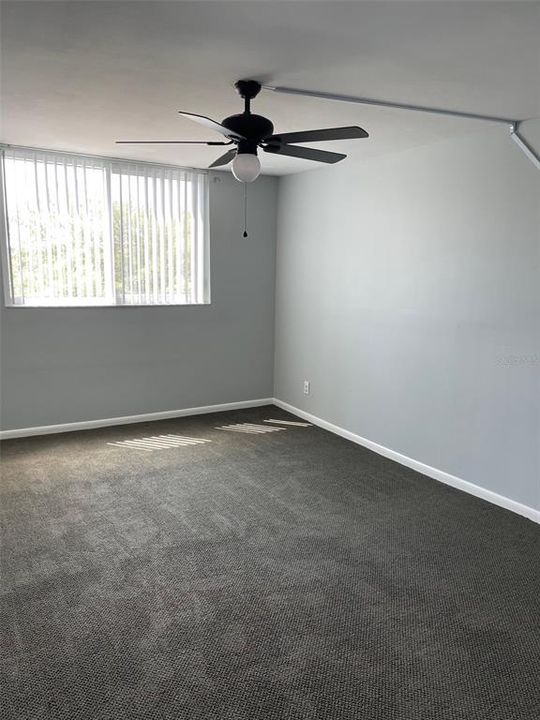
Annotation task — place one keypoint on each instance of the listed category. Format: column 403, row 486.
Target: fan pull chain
column 245, row 209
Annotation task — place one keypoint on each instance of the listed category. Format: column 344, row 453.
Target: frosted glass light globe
column 246, row 167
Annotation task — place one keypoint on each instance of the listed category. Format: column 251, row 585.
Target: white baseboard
column 129, row 419
column 440, row 475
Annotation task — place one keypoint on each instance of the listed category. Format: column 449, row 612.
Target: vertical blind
column 90, row 231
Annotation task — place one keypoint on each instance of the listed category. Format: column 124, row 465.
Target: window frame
column 5, row 257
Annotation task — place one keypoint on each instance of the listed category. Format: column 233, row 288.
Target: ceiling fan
column 247, row 132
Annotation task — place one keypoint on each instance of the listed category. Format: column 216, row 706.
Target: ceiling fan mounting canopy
column 248, row 132
column 248, row 89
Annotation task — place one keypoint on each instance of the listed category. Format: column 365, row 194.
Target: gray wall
column 408, row 293
column 67, row 365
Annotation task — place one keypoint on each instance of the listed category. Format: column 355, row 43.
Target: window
column 91, row 231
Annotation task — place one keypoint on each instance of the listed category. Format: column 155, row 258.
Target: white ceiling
column 79, row 75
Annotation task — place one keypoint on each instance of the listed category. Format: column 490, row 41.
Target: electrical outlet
column 306, row 387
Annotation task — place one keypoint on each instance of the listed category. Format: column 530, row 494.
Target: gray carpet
column 288, row 575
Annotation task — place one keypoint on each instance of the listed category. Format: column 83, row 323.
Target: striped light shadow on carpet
column 250, row 428
column 158, row 442
column 289, row 422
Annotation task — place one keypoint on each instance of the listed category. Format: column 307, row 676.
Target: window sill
column 99, row 307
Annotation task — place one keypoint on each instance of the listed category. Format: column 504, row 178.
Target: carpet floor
column 285, row 575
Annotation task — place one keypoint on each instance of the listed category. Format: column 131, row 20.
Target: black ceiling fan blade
column 171, row 142
column 211, row 124
column 305, row 153
column 340, row 133
column 224, row 159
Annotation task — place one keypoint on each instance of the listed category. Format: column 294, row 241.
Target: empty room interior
column 270, row 360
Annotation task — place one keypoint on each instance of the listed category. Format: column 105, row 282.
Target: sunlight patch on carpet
column 250, row 428
column 159, row 442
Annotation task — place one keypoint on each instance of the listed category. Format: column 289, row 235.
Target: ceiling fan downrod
column 248, row 89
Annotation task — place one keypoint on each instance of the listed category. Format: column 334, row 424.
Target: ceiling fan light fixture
column 246, row 167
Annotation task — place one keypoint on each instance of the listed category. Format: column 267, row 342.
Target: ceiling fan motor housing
column 254, row 128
